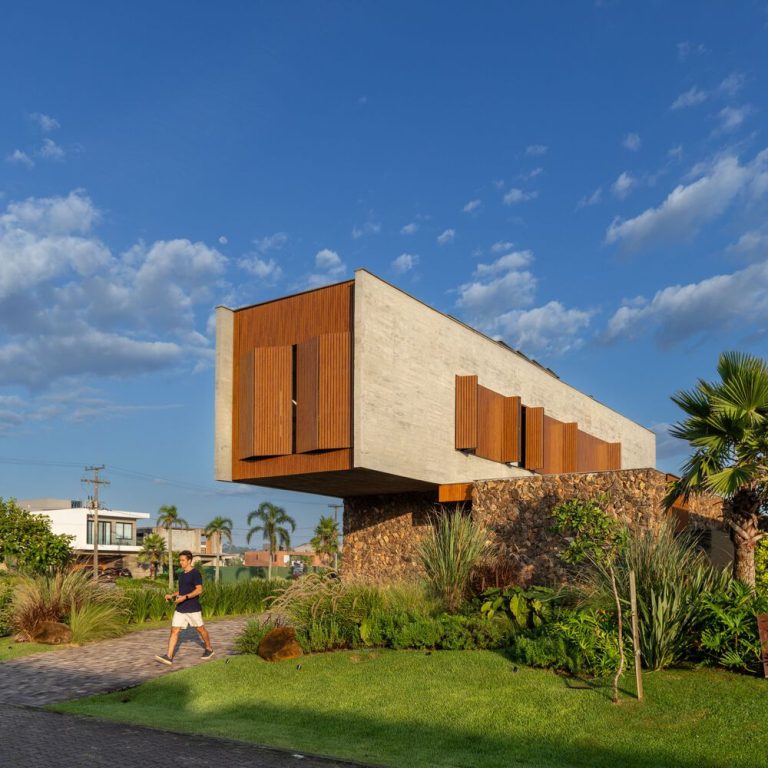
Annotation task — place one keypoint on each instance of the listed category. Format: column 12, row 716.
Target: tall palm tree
column 218, row 527
column 325, row 542
column 168, row 518
column 152, row 551
column 273, row 521
column 727, row 425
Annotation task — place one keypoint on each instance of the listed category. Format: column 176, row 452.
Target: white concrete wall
column 406, row 357
column 225, row 329
column 73, row 522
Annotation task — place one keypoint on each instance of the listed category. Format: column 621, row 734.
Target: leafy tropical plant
column 453, row 544
column 596, row 537
column 168, row 518
column 218, row 529
column 529, row 608
column 761, row 567
column 727, row 426
column 96, row 621
column 152, row 551
column 730, row 635
column 325, row 542
column 27, row 542
column 274, row 524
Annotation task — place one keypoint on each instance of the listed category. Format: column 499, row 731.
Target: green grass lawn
column 11, row 650
column 465, row 708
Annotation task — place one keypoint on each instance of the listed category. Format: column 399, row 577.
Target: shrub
column 545, row 650
column 6, row 605
column 96, row 621
column 528, row 608
column 453, row 545
column 672, row 576
column 761, row 566
column 730, row 637
column 146, row 604
column 248, row 641
column 593, row 645
column 58, row 597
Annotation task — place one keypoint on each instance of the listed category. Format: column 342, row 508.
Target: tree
column 596, row 537
column 218, row 528
column 273, row 521
column 325, row 542
column 152, row 551
column 168, row 518
column 727, row 426
column 27, row 542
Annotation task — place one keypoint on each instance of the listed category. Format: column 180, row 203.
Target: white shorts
column 185, row 620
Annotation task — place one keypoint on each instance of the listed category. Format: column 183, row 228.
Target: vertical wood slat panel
column 307, row 394
column 335, row 390
column 246, row 393
column 586, row 455
column 614, row 456
column 511, row 430
column 534, row 438
column 490, row 424
column 273, row 407
column 570, row 446
column 466, row 413
column 553, row 445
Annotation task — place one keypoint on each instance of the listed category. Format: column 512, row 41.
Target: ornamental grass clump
column 454, row 543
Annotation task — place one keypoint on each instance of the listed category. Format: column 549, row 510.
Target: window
column 123, row 533
column 105, row 531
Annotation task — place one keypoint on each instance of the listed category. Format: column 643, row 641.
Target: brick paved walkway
column 33, row 738
column 110, row 665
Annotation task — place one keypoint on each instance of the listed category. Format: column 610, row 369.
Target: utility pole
column 95, row 482
column 336, row 508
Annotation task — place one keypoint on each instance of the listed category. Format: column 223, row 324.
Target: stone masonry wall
column 381, row 532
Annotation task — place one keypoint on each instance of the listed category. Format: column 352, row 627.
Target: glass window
column 123, row 533
column 105, row 532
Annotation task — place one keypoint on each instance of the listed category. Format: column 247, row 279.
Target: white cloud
column 446, row 236
column 732, row 84
column 623, row 185
column 267, row 270
column 754, row 242
column 512, row 260
column 691, row 98
column 502, row 246
column 632, row 142
column 717, row 304
column 515, row 195
column 371, row 227
column 551, row 329
column 687, row 48
column 50, row 150
column 732, row 117
column 687, row 207
column 405, row 262
column 409, row 229
column 329, row 268
column 536, row 150
column 17, row 157
column 46, row 123
column 271, row 242
column 485, row 300
column 532, row 174
column 472, row 205
column 223, row 240
column 589, row 200
column 675, row 153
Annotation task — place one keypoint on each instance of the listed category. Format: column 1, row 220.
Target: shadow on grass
column 307, row 726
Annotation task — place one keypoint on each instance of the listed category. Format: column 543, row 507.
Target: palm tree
column 168, row 518
column 273, row 521
column 727, row 425
column 326, row 539
column 152, row 551
column 218, row 527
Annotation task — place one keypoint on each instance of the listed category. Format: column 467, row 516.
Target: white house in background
column 117, row 529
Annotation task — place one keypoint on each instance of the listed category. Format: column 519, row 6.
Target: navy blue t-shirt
column 187, row 583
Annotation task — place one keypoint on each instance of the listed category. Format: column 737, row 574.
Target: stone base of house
column 381, row 533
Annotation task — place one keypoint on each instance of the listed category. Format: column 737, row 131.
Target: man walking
column 188, row 612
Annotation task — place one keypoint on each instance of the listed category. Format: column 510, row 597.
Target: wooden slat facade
column 554, row 445
column 533, row 457
column 570, row 446
column 293, row 322
column 512, row 418
column 466, row 413
column 455, row 492
column 490, row 424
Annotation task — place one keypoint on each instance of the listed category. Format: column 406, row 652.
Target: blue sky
column 587, row 180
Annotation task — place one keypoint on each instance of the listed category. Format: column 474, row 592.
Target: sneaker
column 164, row 659
column 207, row 653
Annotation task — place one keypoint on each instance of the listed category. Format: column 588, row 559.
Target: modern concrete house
column 361, row 391
column 117, row 529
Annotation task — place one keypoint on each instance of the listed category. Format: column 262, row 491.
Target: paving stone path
column 110, row 665
column 34, row 738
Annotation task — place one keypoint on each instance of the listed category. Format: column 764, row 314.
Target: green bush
column 96, row 621
column 6, row 605
column 528, row 608
column 730, row 636
column 248, row 641
column 592, row 641
column 761, row 566
column 545, row 650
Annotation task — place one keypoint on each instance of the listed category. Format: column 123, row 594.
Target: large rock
column 51, row 633
column 279, row 644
